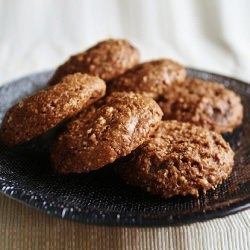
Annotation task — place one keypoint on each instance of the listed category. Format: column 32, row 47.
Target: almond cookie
column 150, row 79
column 107, row 60
column 47, row 108
column 105, row 134
column 179, row 159
column 204, row 103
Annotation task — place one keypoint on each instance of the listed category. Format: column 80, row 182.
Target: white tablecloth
column 37, row 35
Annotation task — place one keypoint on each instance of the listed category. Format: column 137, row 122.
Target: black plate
column 101, row 197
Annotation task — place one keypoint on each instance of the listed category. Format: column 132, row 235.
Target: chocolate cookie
column 107, row 60
column 204, row 103
column 104, row 134
column 179, row 159
column 150, row 79
column 48, row 108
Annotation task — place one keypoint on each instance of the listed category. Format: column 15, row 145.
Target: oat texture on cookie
column 203, row 103
column 150, row 78
column 100, row 136
column 107, row 60
column 179, row 159
column 49, row 107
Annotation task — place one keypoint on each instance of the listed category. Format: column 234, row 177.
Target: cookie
column 150, row 78
column 104, row 134
column 179, row 159
column 107, row 60
column 204, row 103
column 47, row 108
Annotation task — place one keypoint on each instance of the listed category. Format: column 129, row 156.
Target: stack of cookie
column 164, row 126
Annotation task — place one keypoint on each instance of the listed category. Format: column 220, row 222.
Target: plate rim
column 94, row 217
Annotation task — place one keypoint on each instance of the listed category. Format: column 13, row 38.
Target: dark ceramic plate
column 101, row 197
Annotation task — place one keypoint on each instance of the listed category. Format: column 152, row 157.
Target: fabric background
column 208, row 34
column 35, row 35
column 22, row 227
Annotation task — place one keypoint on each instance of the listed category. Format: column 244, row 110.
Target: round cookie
column 107, row 60
column 47, row 108
column 150, row 78
column 179, row 159
column 204, row 103
column 104, row 134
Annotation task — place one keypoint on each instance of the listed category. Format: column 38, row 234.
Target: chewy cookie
column 48, row 108
column 179, row 159
column 107, row 60
column 104, row 134
column 150, row 79
column 206, row 104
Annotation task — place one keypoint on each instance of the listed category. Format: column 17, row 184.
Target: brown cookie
column 150, row 79
column 47, row 108
column 179, row 159
column 204, row 103
column 105, row 134
column 107, row 60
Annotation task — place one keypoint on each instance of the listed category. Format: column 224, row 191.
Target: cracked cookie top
column 203, row 103
column 179, row 159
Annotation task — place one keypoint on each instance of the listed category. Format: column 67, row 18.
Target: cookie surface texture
column 150, row 78
column 100, row 136
column 107, row 60
column 179, row 159
column 48, row 108
column 203, row 103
